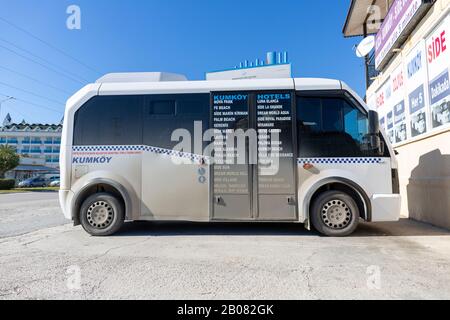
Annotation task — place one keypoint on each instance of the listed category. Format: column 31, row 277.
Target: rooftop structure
column 275, row 66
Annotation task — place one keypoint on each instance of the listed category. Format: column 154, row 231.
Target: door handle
column 291, row 201
column 218, row 200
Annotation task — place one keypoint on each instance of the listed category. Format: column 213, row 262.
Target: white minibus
column 154, row 146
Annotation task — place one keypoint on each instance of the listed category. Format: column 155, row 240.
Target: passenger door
column 275, row 124
column 232, row 179
column 254, row 176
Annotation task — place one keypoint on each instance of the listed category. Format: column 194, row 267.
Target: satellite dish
column 366, row 45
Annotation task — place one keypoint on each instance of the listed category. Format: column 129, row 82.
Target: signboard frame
column 398, row 24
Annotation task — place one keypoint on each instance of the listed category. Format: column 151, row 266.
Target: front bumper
column 385, row 207
column 65, row 198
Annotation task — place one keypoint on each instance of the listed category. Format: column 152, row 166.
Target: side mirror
column 374, row 132
column 374, row 123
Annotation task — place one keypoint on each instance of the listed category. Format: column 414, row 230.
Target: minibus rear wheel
column 102, row 214
column 335, row 214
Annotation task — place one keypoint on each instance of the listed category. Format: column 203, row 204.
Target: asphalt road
column 22, row 213
column 404, row 260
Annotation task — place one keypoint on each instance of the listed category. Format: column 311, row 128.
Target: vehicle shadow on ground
column 147, row 228
column 404, row 227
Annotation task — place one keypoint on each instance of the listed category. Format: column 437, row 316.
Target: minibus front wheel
column 335, row 213
column 102, row 214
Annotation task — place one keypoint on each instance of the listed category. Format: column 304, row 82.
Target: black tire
column 335, row 214
column 102, row 214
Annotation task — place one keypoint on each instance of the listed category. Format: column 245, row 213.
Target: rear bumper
column 385, row 207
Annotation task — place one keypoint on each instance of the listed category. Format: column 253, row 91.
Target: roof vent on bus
column 141, row 77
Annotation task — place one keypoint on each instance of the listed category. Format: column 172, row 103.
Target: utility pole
column 4, row 100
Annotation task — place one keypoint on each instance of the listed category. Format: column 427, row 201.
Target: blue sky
column 188, row 37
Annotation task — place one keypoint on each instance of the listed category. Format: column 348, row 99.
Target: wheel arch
column 342, row 184
column 98, row 185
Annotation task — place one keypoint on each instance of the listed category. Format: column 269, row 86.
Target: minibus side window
column 331, row 127
column 109, row 120
column 163, row 114
column 139, row 119
column 166, row 108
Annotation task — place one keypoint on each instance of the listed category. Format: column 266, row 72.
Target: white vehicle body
column 152, row 187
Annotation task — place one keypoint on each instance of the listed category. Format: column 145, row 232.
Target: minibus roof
column 166, row 87
column 180, row 86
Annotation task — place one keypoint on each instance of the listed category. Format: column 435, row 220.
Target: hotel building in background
column 408, row 82
column 37, row 144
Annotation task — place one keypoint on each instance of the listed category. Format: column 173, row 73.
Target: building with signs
column 409, row 85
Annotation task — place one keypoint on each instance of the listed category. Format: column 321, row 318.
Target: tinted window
column 164, row 107
column 135, row 120
column 191, row 106
column 331, row 127
column 109, row 120
column 177, row 111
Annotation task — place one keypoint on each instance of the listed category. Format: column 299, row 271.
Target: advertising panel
column 438, row 59
column 398, row 104
column 384, row 108
column 416, row 79
column 417, row 110
column 416, row 97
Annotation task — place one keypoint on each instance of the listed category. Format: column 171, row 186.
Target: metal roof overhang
column 358, row 15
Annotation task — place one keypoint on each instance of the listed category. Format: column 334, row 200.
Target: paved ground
column 21, row 213
column 239, row 261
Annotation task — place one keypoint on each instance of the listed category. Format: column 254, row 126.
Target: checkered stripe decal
column 197, row 157
column 339, row 160
column 162, row 151
column 107, row 148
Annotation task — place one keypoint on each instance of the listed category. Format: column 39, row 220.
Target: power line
column 40, row 106
column 46, row 61
column 31, row 93
column 48, row 44
column 34, row 104
column 16, row 109
column 33, row 79
column 41, row 64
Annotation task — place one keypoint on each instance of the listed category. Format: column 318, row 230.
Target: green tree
column 9, row 159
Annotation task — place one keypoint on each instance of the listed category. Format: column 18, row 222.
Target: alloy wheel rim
column 100, row 214
column 336, row 214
